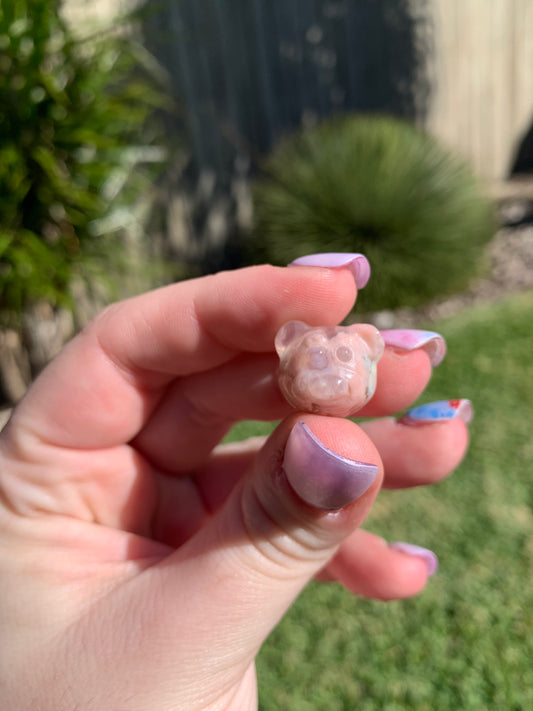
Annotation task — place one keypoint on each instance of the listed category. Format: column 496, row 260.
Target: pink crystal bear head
column 328, row 370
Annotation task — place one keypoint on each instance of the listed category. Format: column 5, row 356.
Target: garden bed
column 510, row 256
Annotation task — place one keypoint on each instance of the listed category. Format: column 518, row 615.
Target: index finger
column 100, row 390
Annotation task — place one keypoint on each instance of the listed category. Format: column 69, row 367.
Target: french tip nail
column 410, row 339
column 429, row 558
column 357, row 263
column 439, row 411
column 321, row 477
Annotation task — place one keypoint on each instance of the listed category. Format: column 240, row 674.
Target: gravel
column 511, row 271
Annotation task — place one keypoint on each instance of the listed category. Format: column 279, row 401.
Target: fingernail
column 411, row 339
column 439, row 411
column 321, row 477
column 429, row 558
column 357, row 263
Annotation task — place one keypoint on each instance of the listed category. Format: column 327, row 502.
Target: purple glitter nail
column 322, row 477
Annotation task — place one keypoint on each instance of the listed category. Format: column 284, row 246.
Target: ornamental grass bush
column 375, row 185
column 77, row 149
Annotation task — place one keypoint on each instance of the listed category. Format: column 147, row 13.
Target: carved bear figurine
column 328, row 370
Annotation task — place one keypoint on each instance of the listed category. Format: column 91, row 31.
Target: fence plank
column 257, row 65
column 483, row 103
column 262, row 67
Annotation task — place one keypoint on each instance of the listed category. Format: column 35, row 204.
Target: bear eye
column 318, row 358
column 344, row 354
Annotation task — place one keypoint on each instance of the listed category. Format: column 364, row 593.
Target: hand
column 142, row 566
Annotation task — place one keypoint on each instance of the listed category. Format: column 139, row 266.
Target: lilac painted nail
column 429, row 558
column 411, row 339
column 439, row 411
column 357, row 263
column 321, row 477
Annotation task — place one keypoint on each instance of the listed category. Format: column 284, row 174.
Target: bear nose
column 326, row 386
column 318, row 358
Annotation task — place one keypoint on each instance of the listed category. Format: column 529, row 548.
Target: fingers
column 402, row 377
column 411, row 455
column 368, row 566
column 100, row 390
column 227, row 587
column 184, row 504
column 418, row 455
column 268, row 540
column 197, row 411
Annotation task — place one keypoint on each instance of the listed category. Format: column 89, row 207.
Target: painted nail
column 411, row 339
column 322, row 477
column 357, row 263
column 439, row 411
column 429, row 558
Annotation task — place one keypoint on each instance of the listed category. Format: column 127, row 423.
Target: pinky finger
column 369, row 566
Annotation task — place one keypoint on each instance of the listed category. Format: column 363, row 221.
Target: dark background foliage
column 375, row 185
column 75, row 146
column 247, row 72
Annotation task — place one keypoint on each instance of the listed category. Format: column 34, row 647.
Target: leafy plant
column 379, row 186
column 77, row 148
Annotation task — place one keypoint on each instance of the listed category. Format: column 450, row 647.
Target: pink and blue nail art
column 411, row 339
column 439, row 411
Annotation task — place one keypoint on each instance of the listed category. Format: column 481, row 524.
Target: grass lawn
column 467, row 642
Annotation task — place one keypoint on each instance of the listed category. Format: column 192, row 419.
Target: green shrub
column 379, row 186
column 77, row 148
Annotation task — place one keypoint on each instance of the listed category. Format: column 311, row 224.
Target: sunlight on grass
column 467, row 642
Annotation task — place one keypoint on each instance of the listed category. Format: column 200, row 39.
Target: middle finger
column 198, row 410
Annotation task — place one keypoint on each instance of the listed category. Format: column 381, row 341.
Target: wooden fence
column 253, row 68
column 248, row 71
column 482, row 103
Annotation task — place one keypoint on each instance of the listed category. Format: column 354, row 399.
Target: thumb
column 313, row 483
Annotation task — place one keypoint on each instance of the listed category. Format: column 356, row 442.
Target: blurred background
column 146, row 142
column 143, row 143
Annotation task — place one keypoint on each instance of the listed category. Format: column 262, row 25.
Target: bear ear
column 372, row 337
column 288, row 333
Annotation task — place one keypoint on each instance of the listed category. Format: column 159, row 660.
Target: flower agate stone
column 328, row 370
